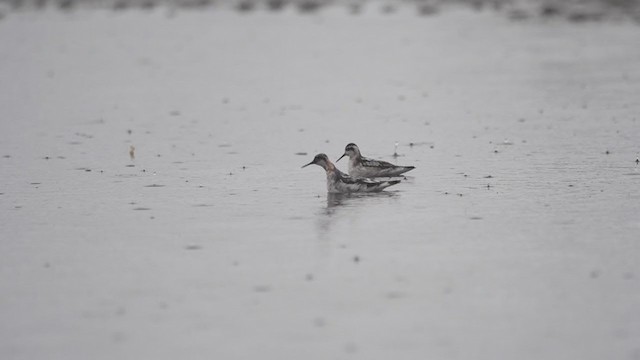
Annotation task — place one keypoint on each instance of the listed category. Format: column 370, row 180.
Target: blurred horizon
column 571, row 10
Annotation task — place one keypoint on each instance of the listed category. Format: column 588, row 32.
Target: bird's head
column 350, row 150
column 321, row 160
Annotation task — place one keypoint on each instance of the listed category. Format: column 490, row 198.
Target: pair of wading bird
column 362, row 172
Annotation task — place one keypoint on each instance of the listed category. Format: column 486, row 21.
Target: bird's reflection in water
column 335, row 200
column 343, row 204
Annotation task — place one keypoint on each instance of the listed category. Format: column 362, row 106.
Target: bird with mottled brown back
column 360, row 166
column 339, row 182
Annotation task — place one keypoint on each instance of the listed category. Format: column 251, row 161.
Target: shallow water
column 516, row 236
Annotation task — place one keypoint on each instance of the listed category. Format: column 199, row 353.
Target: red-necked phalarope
column 339, row 182
column 360, row 166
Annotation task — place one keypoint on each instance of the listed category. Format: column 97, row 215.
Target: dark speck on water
column 193, row 247
column 394, row 295
column 141, row 208
column 301, row 153
column 154, row 185
column 86, row 136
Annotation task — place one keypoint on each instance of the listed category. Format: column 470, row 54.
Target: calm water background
column 516, row 236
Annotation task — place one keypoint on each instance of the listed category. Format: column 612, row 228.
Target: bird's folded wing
column 351, row 180
column 376, row 163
